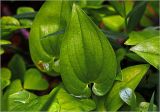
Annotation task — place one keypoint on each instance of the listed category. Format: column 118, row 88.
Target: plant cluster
column 87, row 56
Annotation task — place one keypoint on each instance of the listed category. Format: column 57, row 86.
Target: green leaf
column 61, row 102
column 151, row 104
column 136, row 14
column 86, row 57
column 100, row 103
column 149, row 50
column 120, row 54
column 15, row 86
column 126, row 95
column 22, row 10
column 114, row 23
column 1, row 51
column 138, row 37
column 9, row 24
column 5, row 77
column 143, row 107
column 64, row 102
column 90, row 4
column 18, row 67
column 119, row 6
column 131, row 77
column 33, row 80
column 4, row 42
column 18, row 101
column 8, row 20
column 129, row 97
column 47, row 21
column 134, row 57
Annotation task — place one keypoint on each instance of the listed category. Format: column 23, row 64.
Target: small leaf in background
column 146, row 21
column 131, row 77
column 114, row 23
column 120, row 54
column 143, row 107
column 149, row 50
column 5, row 76
column 23, row 10
column 9, row 24
column 18, row 67
column 3, row 42
column 138, row 37
column 33, row 80
column 136, row 14
column 79, row 65
column 1, row 51
column 10, row 21
column 151, row 104
column 134, row 57
column 119, row 6
column 46, row 22
column 90, row 4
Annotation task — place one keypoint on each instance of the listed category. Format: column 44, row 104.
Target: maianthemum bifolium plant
column 66, row 42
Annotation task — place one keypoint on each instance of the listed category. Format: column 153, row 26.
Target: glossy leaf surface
column 44, row 47
column 131, row 77
column 126, row 95
column 149, row 50
column 33, row 80
column 138, row 37
column 86, row 57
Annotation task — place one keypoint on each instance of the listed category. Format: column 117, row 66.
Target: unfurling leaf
column 86, row 57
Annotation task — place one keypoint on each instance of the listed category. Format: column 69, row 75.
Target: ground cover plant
column 80, row 56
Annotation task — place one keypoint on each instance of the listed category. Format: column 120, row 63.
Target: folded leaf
column 86, row 57
column 131, row 77
column 33, row 80
column 149, row 50
column 44, row 48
